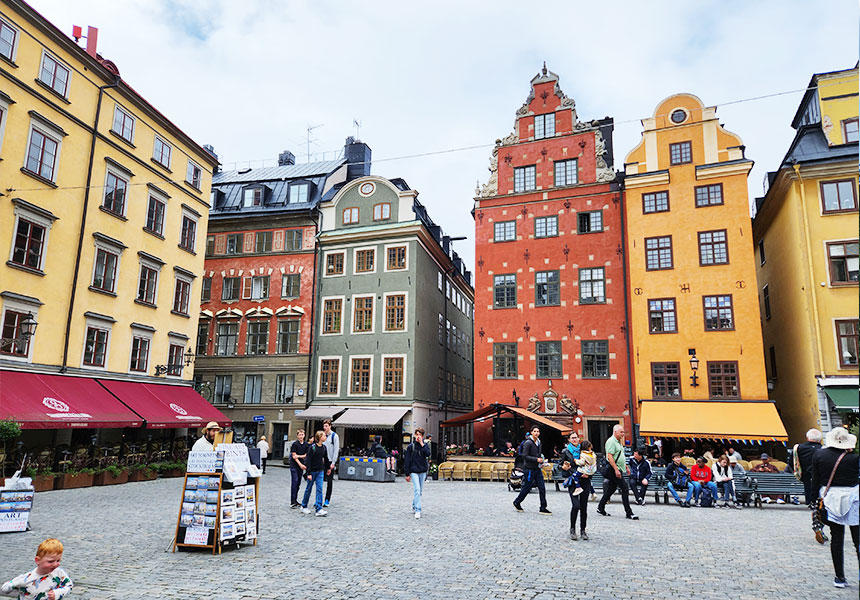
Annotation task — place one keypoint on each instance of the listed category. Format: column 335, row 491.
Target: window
column 227, row 339
column 850, row 131
column 595, row 359
column 194, row 175
column 772, row 356
column 661, row 316
column 11, row 330
column 332, row 309
column 147, row 284
column 655, row 202
column 395, row 312
column 329, row 368
column 206, row 290
column 202, row 338
column 29, row 244
column 252, row 197
column 364, row 261
column 233, row 243
column 360, row 376
column 544, row 126
column 547, row 292
column 104, row 274
column 161, row 152
column 253, row 389
column 504, row 291
column 42, row 154
column 505, row 360
column 392, row 375
column 123, row 124
column 592, row 286
column 181, row 295
column 761, row 256
column 765, row 295
column 589, row 222
column 658, row 253
column 139, row 354
column 439, row 279
column 548, row 356
column 210, row 245
column 263, row 242
column 680, row 153
column 291, row 285
column 524, row 178
column 95, row 347
column 155, row 216
column 666, row 379
column 256, row 288
column 258, row 337
column 396, row 258
column 718, row 313
column 678, row 115
column 299, row 193
column 362, row 315
column 350, row 216
column 293, row 239
column 189, row 231
column 334, row 263
column 566, row 172
column 381, row 212
column 844, row 265
column 115, row 190
column 7, row 39
column 223, row 388
column 713, row 248
column 847, row 337
column 54, row 75
column 723, row 379
column 288, row 336
column 441, row 330
column 838, row 196
column 505, row 231
column 709, row 195
column 546, row 227
column 284, row 386
column 230, row 288
column 175, row 360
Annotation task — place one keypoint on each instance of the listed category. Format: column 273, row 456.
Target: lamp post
column 694, row 365
column 26, row 330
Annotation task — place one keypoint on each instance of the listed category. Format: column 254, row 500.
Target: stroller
column 515, row 479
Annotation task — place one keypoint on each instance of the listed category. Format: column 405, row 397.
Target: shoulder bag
column 822, row 512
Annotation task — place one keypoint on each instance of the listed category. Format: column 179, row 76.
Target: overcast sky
column 250, row 76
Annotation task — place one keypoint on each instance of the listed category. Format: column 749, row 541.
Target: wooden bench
column 780, row 484
column 744, row 491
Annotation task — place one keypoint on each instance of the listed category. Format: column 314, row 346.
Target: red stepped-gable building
column 550, row 326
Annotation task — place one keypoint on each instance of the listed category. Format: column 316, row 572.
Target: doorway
column 280, row 439
column 598, row 432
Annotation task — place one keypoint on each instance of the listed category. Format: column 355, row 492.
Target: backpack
column 706, row 500
column 795, row 461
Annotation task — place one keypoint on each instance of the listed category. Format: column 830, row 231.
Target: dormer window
column 299, row 192
column 544, row 126
column 382, row 212
column 252, row 197
column 350, row 216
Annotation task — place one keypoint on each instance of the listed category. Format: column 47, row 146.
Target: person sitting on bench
column 677, row 479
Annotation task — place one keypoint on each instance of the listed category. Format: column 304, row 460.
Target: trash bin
column 360, row 468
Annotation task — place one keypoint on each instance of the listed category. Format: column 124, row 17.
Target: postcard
column 240, row 503
column 199, row 508
column 200, row 496
column 226, row 496
column 249, row 493
column 213, row 483
column 226, row 531
column 227, row 512
column 7, row 506
column 239, row 528
column 188, row 507
column 22, row 506
column 191, row 483
column 239, row 492
column 189, row 495
column 211, row 510
column 202, row 483
column 212, row 496
column 185, row 521
column 250, row 531
column 209, row 522
column 251, row 513
column 239, row 515
column 197, row 520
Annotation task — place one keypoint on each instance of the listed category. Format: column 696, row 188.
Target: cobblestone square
column 470, row 543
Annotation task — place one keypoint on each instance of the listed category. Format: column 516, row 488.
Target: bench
column 780, row 484
column 744, row 491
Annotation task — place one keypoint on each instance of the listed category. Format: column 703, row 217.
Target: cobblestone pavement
column 470, row 543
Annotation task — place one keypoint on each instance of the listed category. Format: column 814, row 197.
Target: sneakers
column 325, row 503
column 686, row 504
column 321, row 513
column 766, row 500
column 577, row 491
column 583, row 535
column 641, row 502
column 839, row 582
column 545, row 511
column 573, row 535
column 780, row 501
column 295, row 505
column 632, row 517
column 417, row 514
column 518, row 507
column 601, row 511
column 820, row 536
column 306, row 510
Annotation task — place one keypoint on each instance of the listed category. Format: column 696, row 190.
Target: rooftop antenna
column 357, row 124
column 310, row 129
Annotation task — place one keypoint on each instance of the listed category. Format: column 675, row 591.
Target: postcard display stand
column 219, row 500
column 16, row 503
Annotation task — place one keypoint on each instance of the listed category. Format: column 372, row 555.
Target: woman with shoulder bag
column 835, row 471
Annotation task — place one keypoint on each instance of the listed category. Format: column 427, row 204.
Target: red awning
column 37, row 401
column 164, row 405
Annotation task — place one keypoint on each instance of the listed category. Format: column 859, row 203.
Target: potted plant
column 141, row 472
column 173, row 469
column 434, row 472
column 110, row 475
column 43, row 481
column 76, row 478
column 9, row 430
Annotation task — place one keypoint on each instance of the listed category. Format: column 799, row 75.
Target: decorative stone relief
column 604, row 173
column 490, row 188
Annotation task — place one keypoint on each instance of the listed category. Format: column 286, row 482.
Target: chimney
column 286, row 158
column 357, row 155
column 211, row 150
column 92, row 40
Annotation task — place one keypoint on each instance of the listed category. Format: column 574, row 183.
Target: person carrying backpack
column 802, row 459
column 678, row 478
column 530, row 451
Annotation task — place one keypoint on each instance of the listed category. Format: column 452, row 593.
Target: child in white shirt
column 46, row 581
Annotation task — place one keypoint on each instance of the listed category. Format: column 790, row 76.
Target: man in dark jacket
column 678, row 480
column 803, row 454
column 415, row 465
column 530, row 453
column 640, row 473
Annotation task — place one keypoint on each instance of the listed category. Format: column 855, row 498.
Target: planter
column 107, row 478
column 44, row 483
column 173, row 473
column 143, row 475
column 435, row 476
column 69, row 481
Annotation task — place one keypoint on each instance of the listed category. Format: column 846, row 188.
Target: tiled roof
column 277, row 173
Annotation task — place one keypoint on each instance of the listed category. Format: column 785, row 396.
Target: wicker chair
column 745, row 464
column 473, row 470
column 688, row 461
column 459, row 470
column 445, row 470
column 485, row 472
column 500, row 471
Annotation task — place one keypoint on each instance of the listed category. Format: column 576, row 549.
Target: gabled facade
column 806, row 238
column 393, row 332
column 549, row 300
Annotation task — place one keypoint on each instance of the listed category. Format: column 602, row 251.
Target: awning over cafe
column 40, row 401
column 165, row 405
column 711, row 419
column 319, row 412
column 496, row 409
column 845, row 398
column 371, row 417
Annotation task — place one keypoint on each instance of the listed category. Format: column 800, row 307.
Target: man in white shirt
column 206, row 442
column 263, row 447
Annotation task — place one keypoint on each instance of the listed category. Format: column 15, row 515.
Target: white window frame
column 119, row 175
column 95, row 322
column 55, row 135
column 176, row 340
column 325, row 263
column 110, row 249
column 196, row 218
column 118, row 108
column 248, row 379
column 15, row 42
column 56, row 59
column 137, row 332
column 373, row 312
column 342, row 311
column 349, row 392
column 188, row 170
column 20, row 306
column 294, row 188
column 278, row 391
column 38, row 219
column 153, row 195
column 385, row 248
column 339, row 360
column 177, row 277
column 150, row 264
column 4, row 116
column 355, row 252
column 384, row 311
column 158, row 138
column 382, row 375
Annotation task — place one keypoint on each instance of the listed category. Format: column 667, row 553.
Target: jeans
column 579, row 505
column 316, row 480
column 837, row 539
column 697, row 489
column 690, row 490
column 534, row 477
column 728, row 490
column 417, row 488
column 295, row 484
column 638, row 489
column 612, row 483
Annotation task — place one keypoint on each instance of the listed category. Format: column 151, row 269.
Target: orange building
column 696, row 345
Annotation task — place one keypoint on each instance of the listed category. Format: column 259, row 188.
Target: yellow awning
column 740, row 420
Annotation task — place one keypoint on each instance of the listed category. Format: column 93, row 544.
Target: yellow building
column 806, row 235
column 696, row 345
column 103, row 211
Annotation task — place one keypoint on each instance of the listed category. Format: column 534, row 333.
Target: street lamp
column 26, row 330
column 694, row 365
column 186, row 358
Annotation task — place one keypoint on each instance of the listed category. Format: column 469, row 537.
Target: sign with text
column 202, row 462
column 197, row 536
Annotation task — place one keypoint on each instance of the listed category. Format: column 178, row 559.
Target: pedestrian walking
column 802, row 459
column 263, row 447
column 416, row 465
column 834, row 475
column 298, row 455
column 614, row 477
column 578, row 502
column 316, row 464
column 332, row 447
column 48, row 581
column 530, row 452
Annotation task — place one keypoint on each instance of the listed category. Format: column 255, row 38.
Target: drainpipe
column 621, row 204
column 314, row 214
column 83, row 225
